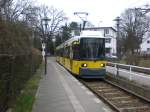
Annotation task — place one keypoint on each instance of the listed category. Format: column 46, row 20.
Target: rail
column 135, row 73
column 119, row 98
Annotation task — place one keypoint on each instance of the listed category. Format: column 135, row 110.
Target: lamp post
column 118, row 19
column 45, row 20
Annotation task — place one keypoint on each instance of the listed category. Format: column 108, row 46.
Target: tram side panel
column 67, row 63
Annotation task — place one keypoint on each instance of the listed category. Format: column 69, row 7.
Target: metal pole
column 118, row 19
column 45, row 48
column 45, row 41
column 53, row 40
column 130, row 73
column 45, row 64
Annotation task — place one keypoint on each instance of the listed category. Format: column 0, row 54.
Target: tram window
column 67, row 50
column 71, row 52
column 57, row 52
column 76, row 52
column 64, row 52
column 61, row 52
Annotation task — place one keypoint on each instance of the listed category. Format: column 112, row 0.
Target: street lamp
column 45, row 20
column 118, row 19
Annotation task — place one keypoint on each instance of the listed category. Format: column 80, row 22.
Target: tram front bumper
column 92, row 73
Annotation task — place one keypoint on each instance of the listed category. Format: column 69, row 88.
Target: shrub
column 18, row 61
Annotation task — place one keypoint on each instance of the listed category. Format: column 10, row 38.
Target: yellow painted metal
column 67, row 63
column 75, row 65
column 61, row 60
column 90, row 64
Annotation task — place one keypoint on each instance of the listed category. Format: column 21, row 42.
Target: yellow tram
column 84, row 55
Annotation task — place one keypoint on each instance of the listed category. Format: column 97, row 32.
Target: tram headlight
column 102, row 65
column 84, row 65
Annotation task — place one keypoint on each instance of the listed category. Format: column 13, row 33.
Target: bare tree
column 30, row 16
column 56, row 18
column 18, row 10
column 3, row 5
column 24, row 10
column 134, row 25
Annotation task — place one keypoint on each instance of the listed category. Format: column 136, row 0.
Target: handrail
column 131, row 69
column 129, row 65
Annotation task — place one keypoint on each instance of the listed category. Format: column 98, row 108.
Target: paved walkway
column 59, row 91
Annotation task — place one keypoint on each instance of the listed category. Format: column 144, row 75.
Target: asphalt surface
column 59, row 91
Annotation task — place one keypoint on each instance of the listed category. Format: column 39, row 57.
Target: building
column 110, row 42
column 111, row 45
column 145, row 46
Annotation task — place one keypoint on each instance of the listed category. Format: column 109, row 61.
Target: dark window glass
column 57, row 52
column 106, row 31
column 108, row 40
column 148, row 49
column 67, row 51
column 76, row 49
column 92, row 48
column 71, row 53
column 61, row 52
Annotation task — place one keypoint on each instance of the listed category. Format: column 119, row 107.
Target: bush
column 18, row 61
column 14, row 72
column 4, row 81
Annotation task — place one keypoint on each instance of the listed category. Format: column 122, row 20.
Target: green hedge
column 18, row 60
column 14, row 72
column 4, row 81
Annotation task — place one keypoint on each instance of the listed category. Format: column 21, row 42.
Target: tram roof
column 84, row 34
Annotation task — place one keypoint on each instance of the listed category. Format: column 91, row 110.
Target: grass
column 25, row 100
column 145, row 63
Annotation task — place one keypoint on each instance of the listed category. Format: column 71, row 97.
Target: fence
column 136, row 73
column 14, row 72
column 5, row 71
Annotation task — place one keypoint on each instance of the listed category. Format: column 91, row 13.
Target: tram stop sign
column 43, row 50
column 43, row 45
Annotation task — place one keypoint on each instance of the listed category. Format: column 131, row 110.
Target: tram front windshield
column 92, row 48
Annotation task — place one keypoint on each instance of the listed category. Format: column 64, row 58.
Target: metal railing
column 15, row 70
column 129, row 70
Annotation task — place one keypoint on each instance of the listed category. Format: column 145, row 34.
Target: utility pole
column 84, row 19
column 45, row 20
column 118, row 19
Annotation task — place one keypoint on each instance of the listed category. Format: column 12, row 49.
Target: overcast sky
column 101, row 12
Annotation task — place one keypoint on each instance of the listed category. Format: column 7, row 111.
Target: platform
column 59, row 91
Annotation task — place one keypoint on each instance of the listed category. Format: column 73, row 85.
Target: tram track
column 120, row 99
